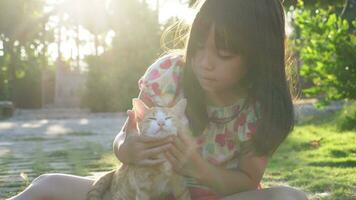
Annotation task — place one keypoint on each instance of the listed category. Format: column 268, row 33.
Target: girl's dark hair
column 255, row 30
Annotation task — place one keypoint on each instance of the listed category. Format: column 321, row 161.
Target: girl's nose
column 206, row 61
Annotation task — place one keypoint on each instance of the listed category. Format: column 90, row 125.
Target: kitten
column 141, row 183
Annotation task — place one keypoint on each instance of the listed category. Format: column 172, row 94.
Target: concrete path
column 38, row 141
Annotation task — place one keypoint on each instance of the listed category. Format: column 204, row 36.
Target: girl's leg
column 57, row 187
column 275, row 193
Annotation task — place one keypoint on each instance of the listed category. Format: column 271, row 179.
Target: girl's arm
column 118, row 141
column 227, row 182
column 187, row 161
column 119, row 152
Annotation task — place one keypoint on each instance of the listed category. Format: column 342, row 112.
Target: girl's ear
column 180, row 106
column 140, row 108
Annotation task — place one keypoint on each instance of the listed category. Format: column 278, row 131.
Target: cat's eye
column 152, row 118
column 168, row 118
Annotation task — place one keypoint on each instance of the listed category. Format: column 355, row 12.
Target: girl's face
column 217, row 70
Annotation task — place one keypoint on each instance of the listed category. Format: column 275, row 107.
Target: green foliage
column 327, row 50
column 23, row 55
column 113, row 76
column 347, row 119
column 314, row 3
column 100, row 85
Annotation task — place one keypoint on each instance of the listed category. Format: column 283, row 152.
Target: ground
column 316, row 158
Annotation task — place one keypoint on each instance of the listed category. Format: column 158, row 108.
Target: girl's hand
column 183, row 156
column 139, row 149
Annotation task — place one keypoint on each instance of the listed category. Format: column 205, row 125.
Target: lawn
column 317, row 158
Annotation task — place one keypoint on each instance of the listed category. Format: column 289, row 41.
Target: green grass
column 88, row 157
column 317, row 158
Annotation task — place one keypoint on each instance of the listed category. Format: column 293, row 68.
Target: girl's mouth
column 208, row 79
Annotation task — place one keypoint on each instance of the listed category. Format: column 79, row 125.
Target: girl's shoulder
column 161, row 83
column 167, row 62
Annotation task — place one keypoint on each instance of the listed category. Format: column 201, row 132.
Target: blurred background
column 90, row 53
column 80, row 53
column 70, row 68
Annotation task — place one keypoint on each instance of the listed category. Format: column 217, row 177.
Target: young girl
column 232, row 74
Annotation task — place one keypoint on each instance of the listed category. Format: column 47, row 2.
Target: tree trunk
column 78, row 46
column 12, row 70
column 96, row 43
column 59, row 42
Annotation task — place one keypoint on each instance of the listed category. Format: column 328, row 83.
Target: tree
column 22, row 34
column 114, row 74
column 327, row 52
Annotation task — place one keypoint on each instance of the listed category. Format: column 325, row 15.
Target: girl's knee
column 46, row 184
column 289, row 193
column 44, row 179
column 39, row 189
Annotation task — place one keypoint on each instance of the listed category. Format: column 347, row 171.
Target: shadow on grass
column 346, row 163
column 318, row 158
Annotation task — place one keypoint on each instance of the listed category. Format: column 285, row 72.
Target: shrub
column 347, row 118
column 327, row 50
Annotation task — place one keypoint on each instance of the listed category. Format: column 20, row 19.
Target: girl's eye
column 168, row 118
column 225, row 54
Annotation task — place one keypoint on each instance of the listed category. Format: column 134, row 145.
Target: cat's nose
column 160, row 123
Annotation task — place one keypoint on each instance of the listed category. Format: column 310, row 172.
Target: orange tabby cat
column 143, row 183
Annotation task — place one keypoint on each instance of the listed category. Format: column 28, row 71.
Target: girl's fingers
column 174, row 162
column 145, row 138
column 152, row 152
column 131, row 124
column 148, row 142
column 177, row 154
column 151, row 162
column 179, row 143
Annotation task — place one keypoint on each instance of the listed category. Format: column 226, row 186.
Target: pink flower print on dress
column 230, row 144
column 241, row 120
column 154, row 75
column 220, row 139
column 200, row 140
column 252, row 128
column 225, row 139
column 166, row 64
column 146, row 98
column 156, row 89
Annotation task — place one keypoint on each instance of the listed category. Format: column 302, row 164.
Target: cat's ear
column 139, row 108
column 180, row 107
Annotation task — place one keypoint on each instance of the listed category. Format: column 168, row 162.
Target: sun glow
column 67, row 37
column 172, row 8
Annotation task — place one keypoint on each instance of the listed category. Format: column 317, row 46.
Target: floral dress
column 228, row 127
